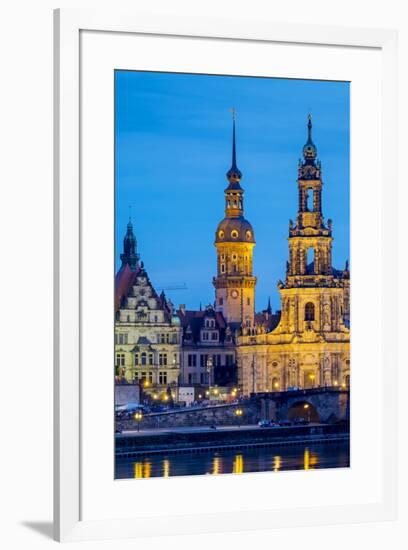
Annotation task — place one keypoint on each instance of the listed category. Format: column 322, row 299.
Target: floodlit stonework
column 310, row 347
column 234, row 241
column 305, row 345
column 147, row 330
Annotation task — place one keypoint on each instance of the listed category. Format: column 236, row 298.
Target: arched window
column 309, row 200
column 309, row 312
column 310, row 261
column 143, row 359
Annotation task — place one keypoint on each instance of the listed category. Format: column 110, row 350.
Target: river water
column 265, row 459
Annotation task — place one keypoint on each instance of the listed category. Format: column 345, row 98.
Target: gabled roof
column 143, row 341
column 269, row 320
column 192, row 320
column 124, row 280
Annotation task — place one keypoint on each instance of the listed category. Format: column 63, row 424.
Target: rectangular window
column 143, row 377
column 174, row 338
column 123, row 338
column 162, row 377
column 202, row 378
column 120, row 360
column 249, row 301
column 214, row 336
column 190, row 378
column 136, row 359
column 162, row 359
column 217, row 360
column 150, row 358
column 205, row 335
column 229, row 360
column 192, row 360
column 150, row 377
column 221, row 301
column 203, row 360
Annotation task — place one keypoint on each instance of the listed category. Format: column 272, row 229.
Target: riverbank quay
column 193, row 441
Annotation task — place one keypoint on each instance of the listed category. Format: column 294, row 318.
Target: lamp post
column 209, row 370
column 238, row 414
column 138, row 418
column 306, row 406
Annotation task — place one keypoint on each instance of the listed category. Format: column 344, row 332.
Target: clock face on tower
column 234, row 294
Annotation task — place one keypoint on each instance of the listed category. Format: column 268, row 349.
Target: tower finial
column 309, row 150
column 234, row 174
column 234, row 153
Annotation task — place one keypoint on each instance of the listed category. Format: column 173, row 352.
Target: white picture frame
column 68, row 473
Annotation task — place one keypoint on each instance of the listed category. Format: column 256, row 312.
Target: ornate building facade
column 310, row 346
column 208, row 353
column 306, row 344
column 147, row 331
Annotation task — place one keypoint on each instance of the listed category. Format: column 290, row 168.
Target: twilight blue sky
column 173, row 148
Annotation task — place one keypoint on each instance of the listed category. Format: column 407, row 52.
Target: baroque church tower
column 234, row 241
column 307, row 302
column 310, row 346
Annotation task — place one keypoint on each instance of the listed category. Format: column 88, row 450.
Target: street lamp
column 238, row 414
column 209, row 370
column 306, row 406
column 138, row 418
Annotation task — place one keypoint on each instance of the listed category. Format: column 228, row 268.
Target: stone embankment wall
column 219, row 415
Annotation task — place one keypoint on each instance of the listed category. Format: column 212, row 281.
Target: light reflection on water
column 299, row 457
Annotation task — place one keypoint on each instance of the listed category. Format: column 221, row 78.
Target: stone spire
column 234, row 174
column 234, row 194
column 129, row 255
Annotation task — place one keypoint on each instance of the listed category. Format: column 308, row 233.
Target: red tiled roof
column 123, row 281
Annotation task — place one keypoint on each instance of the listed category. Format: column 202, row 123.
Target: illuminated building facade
column 306, row 344
column 234, row 241
column 310, row 346
column 208, row 352
column 147, row 330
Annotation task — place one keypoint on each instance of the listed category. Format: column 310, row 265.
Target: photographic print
column 232, row 278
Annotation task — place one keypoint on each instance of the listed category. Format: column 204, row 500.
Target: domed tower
column 234, row 241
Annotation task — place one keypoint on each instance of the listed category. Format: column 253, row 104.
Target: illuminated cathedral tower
column 310, row 346
column 234, row 241
column 314, row 295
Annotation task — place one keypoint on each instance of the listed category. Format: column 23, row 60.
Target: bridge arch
column 303, row 409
